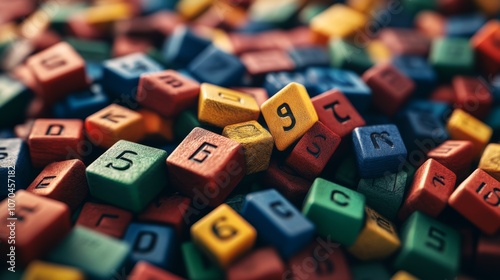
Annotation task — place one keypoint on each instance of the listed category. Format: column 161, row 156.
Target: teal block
column 344, row 55
column 128, row 175
column 198, row 266
column 451, row 57
column 430, row 249
column 14, row 97
column 185, row 122
column 97, row 255
column 93, row 50
column 337, row 212
column 370, row 271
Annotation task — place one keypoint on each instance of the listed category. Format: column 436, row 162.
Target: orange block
column 157, row 127
column 486, row 43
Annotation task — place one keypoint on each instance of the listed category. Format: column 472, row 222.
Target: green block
column 344, row 55
column 370, row 271
column 336, row 211
column 429, row 250
column 14, row 97
column 185, row 122
column 198, row 266
column 347, row 172
column 97, row 255
column 412, row 7
column 451, row 57
column 93, row 50
column 128, row 175
column 384, row 194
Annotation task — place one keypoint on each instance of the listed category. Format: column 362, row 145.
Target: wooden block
column 444, row 93
column 82, row 104
column 289, row 114
column 125, row 45
column 179, row 48
column 377, row 240
column 313, row 151
column 337, row 21
column 58, row 70
column 198, row 266
column 454, row 155
column 390, row 87
column 463, row 126
column 206, row 166
column 170, row 210
column 477, row 198
column 293, row 186
column 144, row 270
column 63, row 181
column 256, row 141
column 451, row 57
column 15, row 164
column 167, row 92
column 260, row 94
column 109, row 125
column 262, row 263
column 220, row 106
column 223, row 235
column 420, row 129
column 157, row 127
column 432, row 185
column 472, row 96
column 486, row 44
column 40, row 270
column 337, row 112
column 405, row 41
column 53, row 140
column 104, row 218
column 490, row 160
column 262, row 62
column 14, row 97
column 40, row 223
column 419, row 70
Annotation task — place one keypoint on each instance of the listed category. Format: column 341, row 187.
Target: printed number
column 286, row 113
column 128, row 162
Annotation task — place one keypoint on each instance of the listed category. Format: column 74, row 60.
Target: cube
column 198, row 266
column 451, row 57
column 171, row 210
column 456, row 155
column 40, row 269
column 485, row 44
column 180, row 47
column 265, row 61
column 104, row 218
column 463, row 126
column 14, row 97
column 472, row 96
column 145, row 270
column 490, row 160
column 262, row 263
column 14, row 161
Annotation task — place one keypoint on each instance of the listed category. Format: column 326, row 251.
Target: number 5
column 122, row 157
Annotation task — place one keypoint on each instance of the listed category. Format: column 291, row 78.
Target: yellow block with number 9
column 289, row 114
column 223, row 235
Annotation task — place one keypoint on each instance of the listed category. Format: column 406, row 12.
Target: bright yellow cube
column 257, row 142
column 377, row 240
column 41, row 270
column 220, row 106
column 403, row 275
column 338, row 21
column 289, row 114
column 191, row 8
column 223, row 235
column 463, row 126
column 108, row 13
column 156, row 126
column 490, row 160
column 364, row 6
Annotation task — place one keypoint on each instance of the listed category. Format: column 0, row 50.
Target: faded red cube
column 144, row 270
column 456, row 155
column 472, row 96
column 288, row 182
column 262, row 62
column 264, row 263
column 172, row 210
column 103, row 218
column 405, row 41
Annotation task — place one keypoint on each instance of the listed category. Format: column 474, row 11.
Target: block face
column 113, row 123
column 405, row 41
column 99, row 256
column 257, row 142
column 105, row 219
column 121, row 175
column 489, row 160
column 144, row 270
column 39, row 269
column 451, row 57
column 206, row 165
column 376, row 144
column 463, row 126
column 13, row 100
column 340, row 205
column 262, row 62
column 419, row 70
column 277, row 221
column 220, row 106
column 41, row 223
column 430, row 249
column 419, row 127
column 181, row 46
column 167, row 92
column 82, row 104
column 262, row 263
column 14, row 161
column 485, row 44
column 477, row 198
column 198, row 266
column 456, row 155
column 64, row 181
column 170, row 210
column 337, row 21
column 289, row 114
column 470, row 90
column 309, row 56
column 290, row 184
column 53, row 140
column 223, row 235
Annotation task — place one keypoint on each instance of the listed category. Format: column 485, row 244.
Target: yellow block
column 377, row 240
column 338, row 21
column 221, row 40
column 490, row 160
column 156, row 126
column 289, row 114
column 364, row 6
column 490, row 7
column 378, row 51
column 403, row 275
column 222, row 106
column 108, row 13
column 190, row 9
column 257, row 142
column 223, row 235
column 38, row 270
column 463, row 126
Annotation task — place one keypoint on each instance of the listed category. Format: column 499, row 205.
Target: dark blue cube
column 421, row 130
column 15, row 165
column 82, row 104
column 182, row 47
column 307, row 57
column 464, row 25
column 419, row 70
column 275, row 81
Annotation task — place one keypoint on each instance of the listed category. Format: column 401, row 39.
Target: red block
column 444, row 93
column 286, row 181
column 262, row 62
column 167, row 92
column 125, row 44
column 488, row 255
column 313, row 151
column 321, row 260
column 64, row 181
column 472, row 96
column 405, row 41
column 40, row 223
column 171, row 210
column 456, row 155
column 105, row 219
column 206, row 165
column 486, row 43
column 260, row 94
column 337, row 113
column 53, row 140
column 264, row 263
column 432, row 185
column 478, row 200
column 145, row 271
column 59, row 70
column 390, row 87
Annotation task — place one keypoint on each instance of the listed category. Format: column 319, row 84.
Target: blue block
column 440, row 110
column 277, row 221
column 82, row 104
column 14, row 159
column 121, row 75
column 182, row 47
column 419, row 70
column 153, row 6
column 348, row 82
column 14, row 97
column 464, row 25
column 155, row 244
column 391, row 18
column 252, row 27
column 421, row 130
column 275, row 81
column 217, row 67
column 307, row 57
column 379, row 150
column 94, row 70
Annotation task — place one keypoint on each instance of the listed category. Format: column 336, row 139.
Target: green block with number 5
column 430, row 249
column 128, row 175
